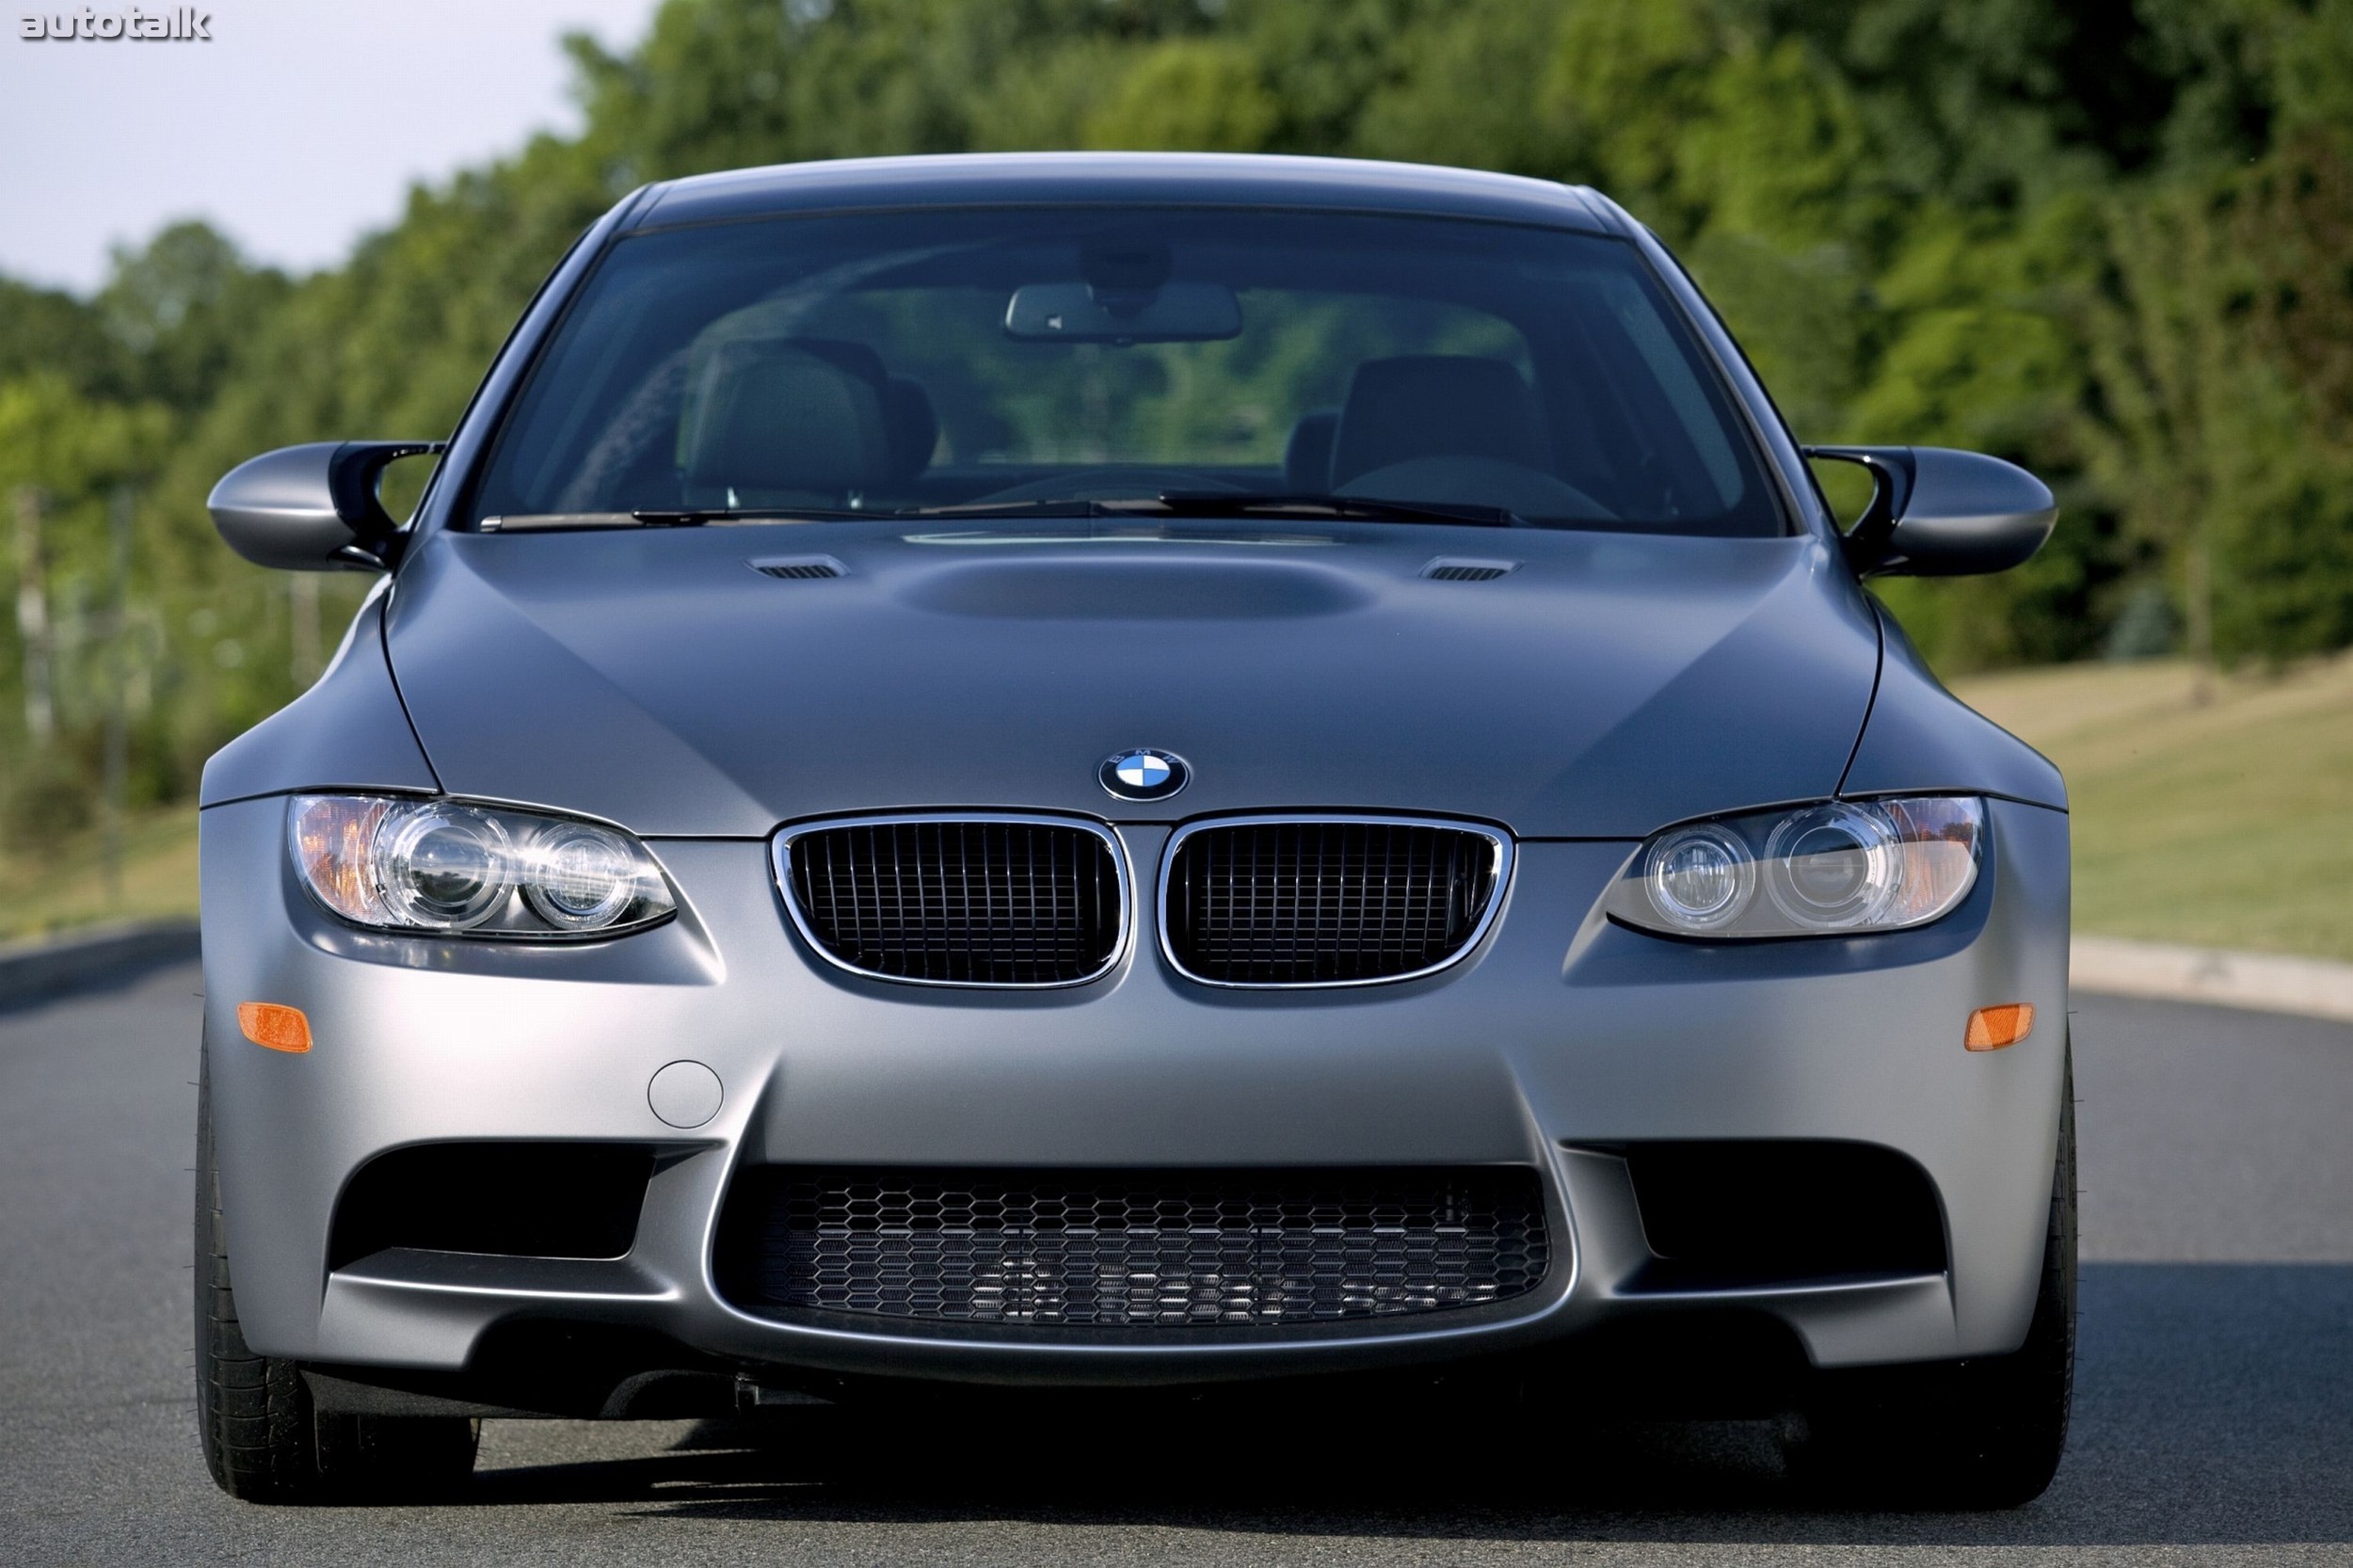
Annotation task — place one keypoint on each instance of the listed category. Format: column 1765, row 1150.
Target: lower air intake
column 1134, row 1249
column 534, row 1199
column 1745, row 1212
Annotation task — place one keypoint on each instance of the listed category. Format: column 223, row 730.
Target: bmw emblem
column 1144, row 773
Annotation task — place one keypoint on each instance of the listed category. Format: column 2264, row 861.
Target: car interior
column 813, row 422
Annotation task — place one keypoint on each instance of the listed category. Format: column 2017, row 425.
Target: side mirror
column 1935, row 512
column 314, row 508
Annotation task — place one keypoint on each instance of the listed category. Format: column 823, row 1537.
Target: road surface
column 2214, row 1417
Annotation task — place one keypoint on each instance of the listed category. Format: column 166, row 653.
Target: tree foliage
column 2107, row 239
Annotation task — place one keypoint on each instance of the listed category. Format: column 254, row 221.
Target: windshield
column 1027, row 359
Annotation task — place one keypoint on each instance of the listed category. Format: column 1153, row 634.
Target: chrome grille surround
column 1498, row 845
column 790, row 840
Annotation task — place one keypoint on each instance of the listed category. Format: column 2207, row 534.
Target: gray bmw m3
column 1069, row 772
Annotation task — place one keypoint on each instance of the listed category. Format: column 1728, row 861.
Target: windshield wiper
column 1198, row 504
column 1363, row 509
column 1233, row 503
column 565, row 523
column 1049, row 508
column 694, row 517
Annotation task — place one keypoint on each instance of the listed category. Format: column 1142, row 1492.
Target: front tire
column 264, row 1442
column 1984, row 1434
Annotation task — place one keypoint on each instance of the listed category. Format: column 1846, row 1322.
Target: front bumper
column 1561, row 1039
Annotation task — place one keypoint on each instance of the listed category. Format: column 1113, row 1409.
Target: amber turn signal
column 281, row 1027
column 1992, row 1028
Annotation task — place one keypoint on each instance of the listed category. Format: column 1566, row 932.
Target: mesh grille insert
column 972, row 903
column 1134, row 1249
column 1325, row 902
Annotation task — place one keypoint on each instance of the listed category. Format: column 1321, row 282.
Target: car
column 1103, row 771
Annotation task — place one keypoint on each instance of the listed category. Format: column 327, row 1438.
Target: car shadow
column 2212, row 1407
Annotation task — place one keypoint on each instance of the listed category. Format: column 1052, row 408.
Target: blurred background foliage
column 2111, row 239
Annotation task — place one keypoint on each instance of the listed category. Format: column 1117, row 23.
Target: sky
column 299, row 126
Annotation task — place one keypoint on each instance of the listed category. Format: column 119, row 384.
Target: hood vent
column 1462, row 569
column 798, row 568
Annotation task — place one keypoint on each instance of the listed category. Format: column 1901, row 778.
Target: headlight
column 442, row 866
column 1841, row 868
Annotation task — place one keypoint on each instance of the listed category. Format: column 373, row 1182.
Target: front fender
column 1920, row 738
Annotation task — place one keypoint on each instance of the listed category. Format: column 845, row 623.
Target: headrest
column 1307, row 458
column 1436, row 406
column 799, row 416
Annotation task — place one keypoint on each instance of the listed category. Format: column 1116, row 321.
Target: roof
column 1184, row 179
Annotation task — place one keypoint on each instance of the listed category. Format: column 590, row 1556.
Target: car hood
column 1608, row 684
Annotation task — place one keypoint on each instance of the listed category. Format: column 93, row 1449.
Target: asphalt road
column 2214, row 1417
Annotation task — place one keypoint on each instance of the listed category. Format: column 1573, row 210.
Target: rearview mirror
column 1084, row 312
column 1935, row 512
column 313, row 507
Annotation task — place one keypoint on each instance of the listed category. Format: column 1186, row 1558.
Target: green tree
column 2105, row 238
column 182, row 307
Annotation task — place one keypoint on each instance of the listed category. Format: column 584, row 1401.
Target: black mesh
column 970, row 903
column 1134, row 1249
column 1308, row 903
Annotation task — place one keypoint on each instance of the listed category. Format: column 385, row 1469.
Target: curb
column 2267, row 983
column 47, row 965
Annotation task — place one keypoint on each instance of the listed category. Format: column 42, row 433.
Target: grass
column 2226, row 822
column 68, row 888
